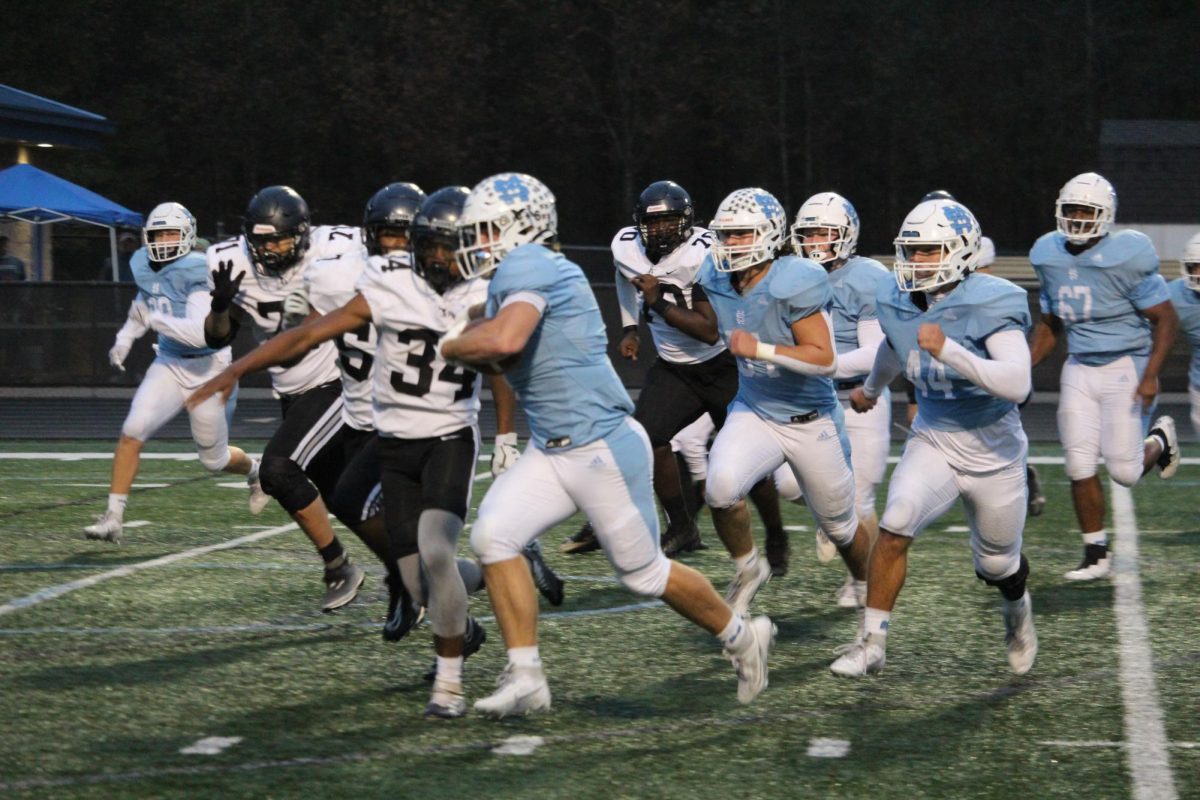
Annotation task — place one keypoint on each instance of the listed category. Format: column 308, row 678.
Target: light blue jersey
column 855, row 285
column 793, row 289
column 978, row 307
column 167, row 290
column 1187, row 305
column 568, row 388
column 1099, row 293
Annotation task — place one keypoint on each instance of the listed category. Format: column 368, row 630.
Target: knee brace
column 649, row 580
column 1012, row 587
column 283, row 479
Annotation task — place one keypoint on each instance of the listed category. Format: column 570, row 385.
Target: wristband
column 660, row 306
column 764, row 352
column 628, row 329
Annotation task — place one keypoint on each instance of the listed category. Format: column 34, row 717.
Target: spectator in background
column 11, row 267
column 127, row 245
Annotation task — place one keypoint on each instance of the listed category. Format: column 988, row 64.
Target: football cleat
column 745, row 585
column 1095, row 565
column 1019, row 634
column 779, row 551
column 403, row 613
column 750, row 660
column 520, row 690
column 826, row 550
column 864, row 657
column 1036, row 500
column 258, row 498
column 582, row 542
column 473, row 639
column 341, row 585
column 852, row 593
column 107, row 528
column 681, row 539
column 547, row 582
column 1168, row 461
column 446, row 701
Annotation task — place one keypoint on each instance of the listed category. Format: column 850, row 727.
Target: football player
column 254, row 275
column 172, row 300
column 826, row 231
column 587, row 453
column 960, row 338
column 774, row 315
column 1104, row 290
column 1185, row 295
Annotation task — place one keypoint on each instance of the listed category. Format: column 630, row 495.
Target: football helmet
column 663, row 217
column 169, row 217
column 502, row 213
column 747, row 210
column 942, row 224
column 826, row 211
column 1191, row 260
column 276, row 213
column 937, row 194
column 433, row 236
column 393, row 206
column 1088, row 190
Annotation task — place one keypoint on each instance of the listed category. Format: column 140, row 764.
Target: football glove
column 505, row 453
column 118, row 353
column 225, row 288
column 295, row 308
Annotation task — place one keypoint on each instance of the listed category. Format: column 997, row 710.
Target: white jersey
column 261, row 298
column 417, row 394
column 676, row 273
column 331, row 284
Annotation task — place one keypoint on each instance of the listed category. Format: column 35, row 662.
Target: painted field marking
column 828, row 748
column 519, row 745
column 210, row 745
column 1147, row 754
column 1086, row 743
column 795, row 527
column 105, row 485
column 957, row 529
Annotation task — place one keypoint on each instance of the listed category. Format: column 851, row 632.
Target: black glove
column 224, row 287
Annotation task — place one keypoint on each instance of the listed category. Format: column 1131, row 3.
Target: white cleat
column 745, row 585
column 750, row 658
column 1019, row 634
column 852, row 593
column 826, row 549
column 521, row 690
column 447, row 701
column 1168, row 462
column 863, row 657
column 258, row 498
column 1096, row 564
column 107, row 528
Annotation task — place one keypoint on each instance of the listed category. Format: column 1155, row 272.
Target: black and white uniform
column 309, row 392
column 689, row 377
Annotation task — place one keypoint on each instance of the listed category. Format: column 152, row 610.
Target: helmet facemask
column 747, row 211
column 938, row 245
column 499, row 215
column 271, row 260
column 174, row 218
column 1086, row 208
column 661, row 234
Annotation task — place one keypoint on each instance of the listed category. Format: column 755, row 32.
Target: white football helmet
column 831, row 211
column 1090, row 191
column 943, row 224
column 1189, row 261
column 502, row 213
column 754, row 210
column 169, row 217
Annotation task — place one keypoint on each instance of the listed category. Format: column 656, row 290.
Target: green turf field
column 103, row 686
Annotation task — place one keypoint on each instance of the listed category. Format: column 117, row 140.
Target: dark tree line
column 882, row 101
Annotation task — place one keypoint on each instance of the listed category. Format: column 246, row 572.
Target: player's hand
column 630, row 343
column 743, row 343
column 295, row 308
column 648, row 286
column 505, row 453
column 860, row 402
column 931, row 338
column 222, row 385
column 1146, row 391
column 225, row 288
column 117, row 355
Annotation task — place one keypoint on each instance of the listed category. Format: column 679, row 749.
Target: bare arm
column 504, row 335
column 506, row 404
column 1165, row 322
column 699, row 322
column 1045, row 338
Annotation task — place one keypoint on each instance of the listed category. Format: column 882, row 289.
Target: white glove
column 505, row 453
column 295, row 308
column 118, row 353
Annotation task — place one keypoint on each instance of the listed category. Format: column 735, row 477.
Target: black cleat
column 582, row 542
column 403, row 613
column 473, row 639
column 1037, row 500
column 779, row 550
column 547, row 582
column 681, row 539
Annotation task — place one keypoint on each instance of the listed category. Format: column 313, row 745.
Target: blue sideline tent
column 39, row 198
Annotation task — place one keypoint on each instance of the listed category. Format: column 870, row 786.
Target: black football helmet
column 938, row 194
column 434, row 236
column 274, row 214
column 663, row 218
column 393, row 206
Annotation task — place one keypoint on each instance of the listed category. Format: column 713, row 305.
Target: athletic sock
column 524, row 657
column 731, row 635
column 747, row 561
column 450, row 669
column 116, row 504
column 876, row 622
column 1099, row 537
column 332, row 554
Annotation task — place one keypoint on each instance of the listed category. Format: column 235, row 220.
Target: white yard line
column 51, row 592
column 1145, row 735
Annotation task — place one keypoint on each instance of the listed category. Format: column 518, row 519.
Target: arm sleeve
column 860, row 360
column 883, row 371
column 1006, row 374
column 187, row 330
column 135, row 326
column 627, row 299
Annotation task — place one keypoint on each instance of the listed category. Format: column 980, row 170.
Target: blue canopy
column 33, row 195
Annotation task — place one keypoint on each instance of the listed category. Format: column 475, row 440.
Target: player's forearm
column 1004, row 374
column 806, row 359
column 1165, row 329
column 1044, row 341
column 283, row 348
column 190, row 329
column 218, row 328
column 883, row 371
column 627, row 301
column 860, row 360
column 506, row 402
column 693, row 323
